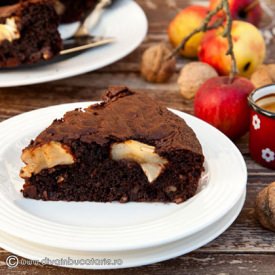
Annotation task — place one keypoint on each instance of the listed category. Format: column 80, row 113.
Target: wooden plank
column 245, row 235
column 193, row 263
column 245, row 247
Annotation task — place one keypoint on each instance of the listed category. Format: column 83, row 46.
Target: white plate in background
column 124, row 20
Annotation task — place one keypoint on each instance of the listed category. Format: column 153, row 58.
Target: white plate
column 125, row 21
column 129, row 258
column 94, row 226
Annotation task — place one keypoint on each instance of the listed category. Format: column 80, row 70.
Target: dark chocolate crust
column 123, row 115
column 37, row 23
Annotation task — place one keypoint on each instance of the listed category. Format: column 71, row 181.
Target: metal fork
column 82, row 39
column 88, row 21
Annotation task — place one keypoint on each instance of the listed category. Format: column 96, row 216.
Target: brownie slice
column 68, row 10
column 28, row 33
column 128, row 148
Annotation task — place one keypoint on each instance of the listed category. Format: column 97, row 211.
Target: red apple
column 246, row 10
column 249, row 49
column 223, row 104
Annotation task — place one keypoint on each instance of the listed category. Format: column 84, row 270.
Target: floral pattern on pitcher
column 268, row 155
column 256, row 122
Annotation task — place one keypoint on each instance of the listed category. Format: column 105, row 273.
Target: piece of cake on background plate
column 127, row 148
column 28, row 33
column 68, row 10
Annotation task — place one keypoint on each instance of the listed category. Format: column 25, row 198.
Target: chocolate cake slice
column 28, row 33
column 127, row 148
column 68, row 10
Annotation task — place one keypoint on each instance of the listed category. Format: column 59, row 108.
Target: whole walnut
column 192, row 76
column 265, row 207
column 155, row 65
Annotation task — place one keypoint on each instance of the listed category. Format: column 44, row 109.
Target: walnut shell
column 261, row 76
column 155, row 65
column 192, row 76
column 265, row 207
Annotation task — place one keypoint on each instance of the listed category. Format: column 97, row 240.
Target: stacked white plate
column 113, row 235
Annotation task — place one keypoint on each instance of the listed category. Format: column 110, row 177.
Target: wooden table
column 245, row 248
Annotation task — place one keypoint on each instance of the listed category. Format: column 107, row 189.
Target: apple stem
column 227, row 33
column 203, row 28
